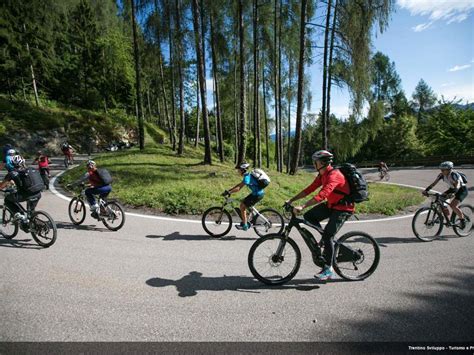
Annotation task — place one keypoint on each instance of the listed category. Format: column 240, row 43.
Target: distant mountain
column 273, row 136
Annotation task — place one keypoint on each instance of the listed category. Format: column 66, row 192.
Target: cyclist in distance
column 252, row 199
column 68, row 151
column 456, row 186
column 330, row 204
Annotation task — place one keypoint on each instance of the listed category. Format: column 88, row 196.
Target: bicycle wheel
column 387, row 177
column 217, row 222
column 114, row 216
column 268, row 221
column 468, row 211
column 8, row 228
column 274, row 259
column 427, row 224
column 43, row 229
column 77, row 211
column 66, row 162
column 357, row 256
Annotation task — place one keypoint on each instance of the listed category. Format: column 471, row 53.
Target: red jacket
column 331, row 180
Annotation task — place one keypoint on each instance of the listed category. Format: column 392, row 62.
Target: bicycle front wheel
column 268, row 221
column 8, row 227
column 427, row 224
column 77, row 211
column 217, row 222
column 468, row 212
column 114, row 216
column 357, row 256
column 274, row 259
column 43, row 229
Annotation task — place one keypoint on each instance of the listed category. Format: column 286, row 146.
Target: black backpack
column 105, row 176
column 463, row 176
column 357, row 183
column 31, row 181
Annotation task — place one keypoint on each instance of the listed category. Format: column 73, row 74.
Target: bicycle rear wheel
column 114, row 216
column 43, row 229
column 8, row 227
column 427, row 224
column 357, row 256
column 274, row 259
column 77, row 211
column 217, row 222
column 468, row 212
column 268, row 221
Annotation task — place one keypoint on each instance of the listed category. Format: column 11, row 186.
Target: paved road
column 165, row 280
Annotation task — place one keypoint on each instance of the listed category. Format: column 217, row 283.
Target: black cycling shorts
column 461, row 194
column 251, row 200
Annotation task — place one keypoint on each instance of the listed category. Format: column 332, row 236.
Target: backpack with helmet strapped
column 263, row 180
column 105, row 176
column 357, row 183
column 31, row 181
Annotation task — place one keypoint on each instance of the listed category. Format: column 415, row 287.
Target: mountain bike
column 384, row 175
column 217, row 221
column 429, row 221
column 110, row 212
column 276, row 258
column 39, row 223
column 45, row 176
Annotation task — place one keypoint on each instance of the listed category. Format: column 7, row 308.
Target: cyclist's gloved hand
column 226, row 193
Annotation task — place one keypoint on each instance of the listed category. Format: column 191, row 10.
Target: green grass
column 158, row 179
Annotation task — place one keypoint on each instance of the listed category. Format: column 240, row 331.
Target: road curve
column 165, row 280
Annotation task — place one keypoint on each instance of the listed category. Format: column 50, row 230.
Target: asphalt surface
column 168, row 281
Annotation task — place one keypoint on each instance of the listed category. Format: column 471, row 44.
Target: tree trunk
column 162, row 77
column 325, row 71
column 288, row 161
column 328, row 98
column 202, row 81
column 236, row 115
column 299, row 108
column 257, row 161
column 275, row 77
column 35, row 90
column 141, row 131
column 180, row 78
column 265, row 116
column 197, row 109
column 280, row 133
column 220, row 141
column 243, row 128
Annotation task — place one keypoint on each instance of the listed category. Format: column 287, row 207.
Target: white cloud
column 422, row 26
column 459, row 67
column 464, row 92
column 448, row 11
column 446, row 85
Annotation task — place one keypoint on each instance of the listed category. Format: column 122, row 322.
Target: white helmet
column 11, row 152
column 17, row 161
column 323, row 155
column 243, row 166
column 446, row 165
column 90, row 163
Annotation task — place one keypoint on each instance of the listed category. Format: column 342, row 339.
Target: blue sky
column 429, row 39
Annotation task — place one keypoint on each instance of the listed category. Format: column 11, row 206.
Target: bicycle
column 39, row 223
column 45, row 176
column 68, row 160
column 276, row 258
column 384, row 175
column 110, row 211
column 429, row 221
column 217, row 221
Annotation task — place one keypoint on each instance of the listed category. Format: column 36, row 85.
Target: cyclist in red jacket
column 329, row 205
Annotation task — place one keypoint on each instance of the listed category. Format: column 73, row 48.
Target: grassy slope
column 158, row 179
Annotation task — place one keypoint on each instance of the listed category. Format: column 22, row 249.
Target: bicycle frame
column 254, row 212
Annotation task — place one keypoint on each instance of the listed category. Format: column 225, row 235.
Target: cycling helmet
column 17, row 161
column 323, row 156
column 11, row 152
column 90, row 163
column 446, row 165
column 243, row 166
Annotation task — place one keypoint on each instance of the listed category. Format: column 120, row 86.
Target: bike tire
column 343, row 241
column 266, row 279
column 34, row 220
column 205, row 216
column 115, row 206
column 66, row 163
column 8, row 216
column 467, row 231
column 432, row 223
column 73, row 206
column 280, row 221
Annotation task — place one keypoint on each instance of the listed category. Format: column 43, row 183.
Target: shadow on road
column 190, row 284
column 179, row 236
column 19, row 243
column 440, row 309
column 68, row 225
column 383, row 241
